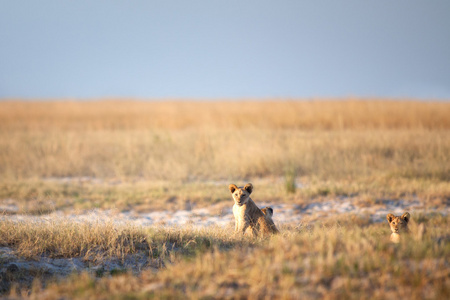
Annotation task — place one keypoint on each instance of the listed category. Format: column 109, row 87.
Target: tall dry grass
column 170, row 115
column 100, row 243
column 196, row 140
column 389, row 148
column 340, row 258
column 222, row 154
column 59, row 238
column 99, row 238
column 160, row 151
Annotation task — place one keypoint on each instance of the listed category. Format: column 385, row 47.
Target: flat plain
column 129, row 199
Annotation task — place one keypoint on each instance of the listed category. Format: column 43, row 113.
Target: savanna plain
column 115, row 199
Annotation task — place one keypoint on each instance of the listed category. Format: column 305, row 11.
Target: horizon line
column 219, row 99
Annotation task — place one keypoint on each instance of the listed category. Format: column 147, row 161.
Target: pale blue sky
column 222, row 49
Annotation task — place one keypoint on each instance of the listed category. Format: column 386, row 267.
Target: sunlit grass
column 98, row 238
column 37, row 197
column 147, row 156
column 270, row 114
column 180, row 141
column 343, row 257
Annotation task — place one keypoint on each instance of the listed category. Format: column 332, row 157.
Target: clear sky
column 222, row 49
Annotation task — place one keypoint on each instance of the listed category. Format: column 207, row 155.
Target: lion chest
column 395, row 237
column 248, row 213
column 239, row 212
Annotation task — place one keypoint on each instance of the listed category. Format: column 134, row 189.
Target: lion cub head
column 398, row 224
column 268, row 212
column 241, row 194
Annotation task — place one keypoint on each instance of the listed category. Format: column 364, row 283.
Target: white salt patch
column 204, row 217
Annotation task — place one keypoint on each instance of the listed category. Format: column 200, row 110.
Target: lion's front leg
column 239, row 226
column 255, row 229
column 244, row 227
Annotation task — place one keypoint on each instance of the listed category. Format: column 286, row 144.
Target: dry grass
column 332, row 260
column 210, row 154
column 37, row 197
column 96, row 239
column 171, row 115
column 373, row 145
column 100, row 244
column 166, row 155
column 57, row 238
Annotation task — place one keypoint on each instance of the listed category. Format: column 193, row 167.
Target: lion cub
column 247, row 214
column 268, row 213
column 398, row 224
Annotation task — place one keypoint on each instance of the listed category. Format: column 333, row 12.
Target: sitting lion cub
column 247, row 214
column 268, row 213
column 398, row 224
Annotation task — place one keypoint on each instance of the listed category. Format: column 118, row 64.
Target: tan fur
column 398, row 224
column 268, row 213
column 247, row 214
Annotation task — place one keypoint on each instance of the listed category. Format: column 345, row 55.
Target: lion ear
column 270, row 209
column 390, row 217
column 406, row 217
column 232, row 188
column 248, row 187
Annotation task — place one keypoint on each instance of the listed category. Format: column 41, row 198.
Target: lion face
column 398, row 223
column 268, row 211
column 240, row 194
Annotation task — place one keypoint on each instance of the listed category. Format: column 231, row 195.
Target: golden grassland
column 166, row 155
column 385, row 148
column 275, row 114
column 341, row 257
